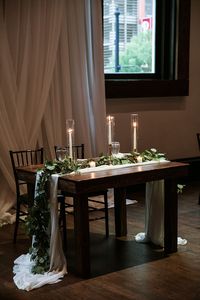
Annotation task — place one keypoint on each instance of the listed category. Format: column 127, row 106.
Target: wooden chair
column 102, row 205
column 25, row 158
column 19, row 159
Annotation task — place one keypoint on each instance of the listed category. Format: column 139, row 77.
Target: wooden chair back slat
column 77, row 149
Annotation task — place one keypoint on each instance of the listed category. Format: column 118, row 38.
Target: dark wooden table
column 119, row 179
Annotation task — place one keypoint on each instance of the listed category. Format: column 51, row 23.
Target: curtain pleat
column 51, row 69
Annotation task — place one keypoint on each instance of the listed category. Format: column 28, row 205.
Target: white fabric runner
column 154, row 216
column 111, row 167
column 23, row 277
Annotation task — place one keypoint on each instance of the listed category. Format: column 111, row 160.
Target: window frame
column 174, row 71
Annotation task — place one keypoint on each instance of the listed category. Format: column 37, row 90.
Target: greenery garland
column 38, row 220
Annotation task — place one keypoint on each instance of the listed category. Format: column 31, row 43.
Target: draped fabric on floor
column 154, row 216
column 23, row 278
column 51, row 70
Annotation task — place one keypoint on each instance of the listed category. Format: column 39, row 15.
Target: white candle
column 134, row 136
column 109, row 131
column 134, row 132
column 110, row 128
column 70, row 143
column 70, row 136
column 139, row 159
column 92, row 164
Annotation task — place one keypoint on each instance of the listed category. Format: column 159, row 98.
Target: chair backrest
column 78, row 150
column 22, row 158
column 198, row 139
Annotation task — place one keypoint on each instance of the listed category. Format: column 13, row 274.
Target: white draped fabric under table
column 23, row 277
column 154, row 216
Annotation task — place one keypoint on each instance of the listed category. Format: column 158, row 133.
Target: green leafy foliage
column 180, row 188
column 152, row 154
column 137, row 56
column 38, row 220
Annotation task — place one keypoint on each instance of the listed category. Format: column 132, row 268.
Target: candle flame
column 110, row 118
column 134, row 124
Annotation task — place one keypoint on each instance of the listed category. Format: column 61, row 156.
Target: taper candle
column 110, row 128
column 70, row 143
column 134, row 127
column 70, row 132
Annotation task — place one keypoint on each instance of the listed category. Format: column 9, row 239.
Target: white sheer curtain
column 78, row 84
column 86, row 65
column 51, row 69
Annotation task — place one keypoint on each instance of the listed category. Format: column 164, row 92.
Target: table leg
column 120, row 212
column 170, row 216
column 81, row 230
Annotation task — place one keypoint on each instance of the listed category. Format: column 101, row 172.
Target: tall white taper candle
column 70, row 143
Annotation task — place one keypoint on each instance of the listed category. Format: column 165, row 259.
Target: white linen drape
column 51, row 62
column 80, row 61
column 86, row 60
column 23, row 277
column 28, row 52
column 154, row 216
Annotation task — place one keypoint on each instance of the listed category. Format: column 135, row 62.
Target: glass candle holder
column 70, row 136
column 110, row 120
column 134, row 132
column 61, row 153
column 115, row 148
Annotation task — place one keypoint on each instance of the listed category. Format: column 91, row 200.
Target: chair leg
column 106, row 214
column 199, row 199
column 63, row 217
column 16, row 222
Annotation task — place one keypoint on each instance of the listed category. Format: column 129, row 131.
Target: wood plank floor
column 122, row 269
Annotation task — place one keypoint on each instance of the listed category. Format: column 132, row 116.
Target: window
column 166, row 71
column 129, row 36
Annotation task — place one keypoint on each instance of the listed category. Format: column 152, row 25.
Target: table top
column 119, row 177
